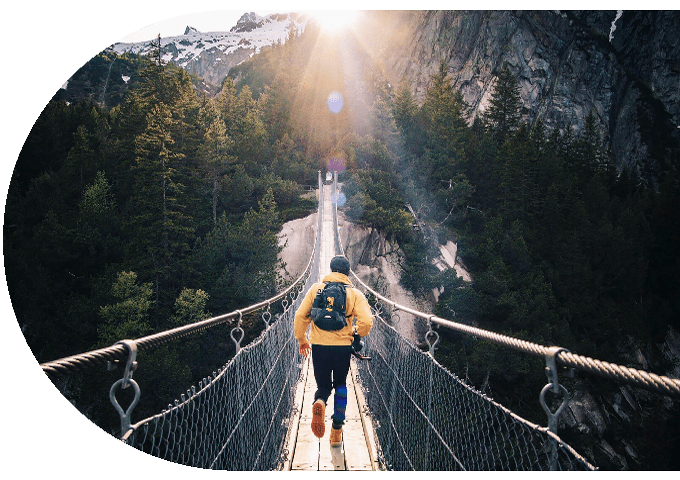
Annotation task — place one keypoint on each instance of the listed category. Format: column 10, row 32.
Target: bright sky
column 213, row 21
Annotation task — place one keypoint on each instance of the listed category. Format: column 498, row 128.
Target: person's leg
column 340, row 370
column 323, row 371
column 322, row 360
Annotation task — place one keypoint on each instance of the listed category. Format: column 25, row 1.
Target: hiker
column 332, row 336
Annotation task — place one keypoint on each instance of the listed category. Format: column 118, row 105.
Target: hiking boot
column 318, row 418
column 336, row 437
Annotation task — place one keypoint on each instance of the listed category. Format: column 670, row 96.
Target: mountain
column 623, row 66
column 211, row 55
column 106, row 78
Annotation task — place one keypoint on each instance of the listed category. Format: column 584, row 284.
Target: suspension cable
column 94, row 358
column 639, row 378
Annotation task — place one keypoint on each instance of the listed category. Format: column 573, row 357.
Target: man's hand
column 305, row 349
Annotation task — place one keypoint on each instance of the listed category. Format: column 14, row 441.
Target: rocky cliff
column 624, row 68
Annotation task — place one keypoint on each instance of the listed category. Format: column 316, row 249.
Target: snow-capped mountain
column 211, row 55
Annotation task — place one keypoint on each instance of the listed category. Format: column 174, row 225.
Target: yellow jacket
column 357, row 307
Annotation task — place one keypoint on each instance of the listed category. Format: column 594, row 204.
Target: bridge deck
column 310, row 453
column 358, row 447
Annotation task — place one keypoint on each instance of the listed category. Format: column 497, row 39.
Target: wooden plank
column 356, row 451
column 330, row 458
column 295, row 422
column 306, row 449
column 352, row 412
column 369, row 433
column 308, row 400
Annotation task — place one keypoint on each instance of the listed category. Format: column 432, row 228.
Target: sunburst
column 334, row 20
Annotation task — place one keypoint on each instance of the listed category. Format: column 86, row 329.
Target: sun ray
column 334, row 20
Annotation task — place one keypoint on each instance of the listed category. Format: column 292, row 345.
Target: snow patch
column 613, row 27
column 270, row 30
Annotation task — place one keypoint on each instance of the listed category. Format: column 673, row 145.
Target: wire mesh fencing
column 237, row 419
column 426, row 418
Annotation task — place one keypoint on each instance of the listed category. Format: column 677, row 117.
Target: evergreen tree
column 129, row 316
column 214, row 152
column 588, row 157
column 405, row 112
column 445, row 116
column 504, row 114
column 518, row 176
column 159, row 225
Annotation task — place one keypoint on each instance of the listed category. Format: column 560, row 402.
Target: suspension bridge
column 405, row 411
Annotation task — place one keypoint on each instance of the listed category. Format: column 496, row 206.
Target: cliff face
column 565, row 64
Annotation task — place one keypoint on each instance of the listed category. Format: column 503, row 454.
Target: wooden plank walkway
column 357, row 451
column 307, row 452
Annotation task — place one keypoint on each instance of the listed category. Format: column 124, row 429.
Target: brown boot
column 336, row 437
column 318, row 420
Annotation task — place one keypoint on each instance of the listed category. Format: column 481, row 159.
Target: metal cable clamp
column 267, row 316
column 551, row 372
column 238, row 328
column 124, row 383
column 430, row 333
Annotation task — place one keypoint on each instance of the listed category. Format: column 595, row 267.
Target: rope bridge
column 423, row 416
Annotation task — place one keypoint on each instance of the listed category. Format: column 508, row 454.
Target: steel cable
column 640, row 378
column 95, row 358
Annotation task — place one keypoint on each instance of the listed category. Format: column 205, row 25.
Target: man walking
column 330, row 308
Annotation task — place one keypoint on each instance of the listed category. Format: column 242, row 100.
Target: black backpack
column 329, row 307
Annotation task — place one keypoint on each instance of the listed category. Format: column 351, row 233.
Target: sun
column 333, row 20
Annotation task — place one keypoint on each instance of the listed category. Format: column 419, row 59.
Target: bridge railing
column 237, row 418
column 395, row 387
column 554, row 355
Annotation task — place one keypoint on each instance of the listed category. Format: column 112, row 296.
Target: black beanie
column 340, row 264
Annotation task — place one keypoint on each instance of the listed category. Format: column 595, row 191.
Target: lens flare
column 336, row 163
column 338, row 199
column 335, row 102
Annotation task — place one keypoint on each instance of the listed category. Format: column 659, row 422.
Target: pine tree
column 160, row 228
column 128, row 317
column 588, row 151
column 444, row 113
column 504, row 114
column 518, row 175
column 214, row 153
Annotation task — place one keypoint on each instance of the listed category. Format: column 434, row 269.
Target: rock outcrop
column 565, row 63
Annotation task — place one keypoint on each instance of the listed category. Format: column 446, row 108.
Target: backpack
column 329, row 307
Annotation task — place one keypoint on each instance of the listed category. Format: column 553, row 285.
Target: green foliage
column 562, row 249
column 444, row 114
column 190, row 307
column 187, row 192
column 373, row 200
column 129, row 316
column 504, row 114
